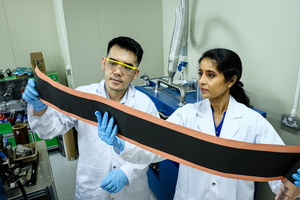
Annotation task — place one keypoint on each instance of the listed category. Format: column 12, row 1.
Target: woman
column 224, row 113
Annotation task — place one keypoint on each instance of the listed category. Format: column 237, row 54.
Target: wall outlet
column 293, row 122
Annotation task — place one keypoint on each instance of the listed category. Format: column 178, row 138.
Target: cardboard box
column 70, row 148
column 27, row 158
column 37, row 60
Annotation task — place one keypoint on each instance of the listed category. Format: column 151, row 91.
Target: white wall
column 28, row 26
column 265, row 34
column 92, row 24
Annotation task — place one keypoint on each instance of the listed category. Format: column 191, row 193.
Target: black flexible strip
column 246, row 164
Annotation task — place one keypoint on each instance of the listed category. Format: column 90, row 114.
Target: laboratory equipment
column 180, row 88
column 9, row 179
column 38, row 181
column 10, row 109
column 291, row 119
column 10, row 88
column 178, row 45
column 2, row 74
column 7, row 95
column 8, row 72
column 146, row 79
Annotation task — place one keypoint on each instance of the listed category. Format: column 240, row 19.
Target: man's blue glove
column 106, row 133
column 114, row 181
column 31, row 96
column 297, row 178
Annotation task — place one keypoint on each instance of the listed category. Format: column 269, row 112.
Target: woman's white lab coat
column 241, row 123
column 97, row 159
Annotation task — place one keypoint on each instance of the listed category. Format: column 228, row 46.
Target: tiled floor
column 64, row 173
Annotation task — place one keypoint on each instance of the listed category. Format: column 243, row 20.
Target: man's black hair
column 128, row 44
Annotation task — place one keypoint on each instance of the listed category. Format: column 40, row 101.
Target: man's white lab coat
column 97, row 159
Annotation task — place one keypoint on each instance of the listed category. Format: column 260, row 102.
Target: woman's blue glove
column 31, row 96
column 106, row 133
column 297, row 178
column 114, row 181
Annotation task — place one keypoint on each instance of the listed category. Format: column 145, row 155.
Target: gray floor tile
column 64, row 174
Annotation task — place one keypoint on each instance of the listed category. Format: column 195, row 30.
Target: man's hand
column 114, row 181
column 31, row 96
column 107, row 132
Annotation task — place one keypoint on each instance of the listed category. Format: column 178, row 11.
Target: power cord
column 17, row 181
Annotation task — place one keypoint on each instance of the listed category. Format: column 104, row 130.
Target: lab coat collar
column 131, row 93
column 206, row 123
column 130, row 98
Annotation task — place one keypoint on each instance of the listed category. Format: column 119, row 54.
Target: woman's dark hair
column 229, row 64
column 128, row 44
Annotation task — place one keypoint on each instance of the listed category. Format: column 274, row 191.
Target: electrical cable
column 2, row 155
column 17, row 181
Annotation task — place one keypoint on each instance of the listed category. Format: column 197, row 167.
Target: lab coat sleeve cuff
column 137, row 155
column 124, row 154
column 127, row 153
column 44, row 120
column 133, row 171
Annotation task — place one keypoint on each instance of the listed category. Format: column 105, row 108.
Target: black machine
column 15, row 174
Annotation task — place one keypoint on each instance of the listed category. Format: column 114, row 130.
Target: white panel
column 84, row 42
column 6, row 52
column 63, row 41
column 92, row 24
column 140, row 20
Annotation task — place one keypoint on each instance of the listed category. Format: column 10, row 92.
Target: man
column 98, row 163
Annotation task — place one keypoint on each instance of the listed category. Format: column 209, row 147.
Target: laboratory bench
column 44, row 188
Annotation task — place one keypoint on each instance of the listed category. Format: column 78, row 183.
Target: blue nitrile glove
column 114, row 181
column 297, row 178
column 31, row 96
column 106, row 133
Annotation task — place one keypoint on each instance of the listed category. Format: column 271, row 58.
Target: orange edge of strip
column 179, row 160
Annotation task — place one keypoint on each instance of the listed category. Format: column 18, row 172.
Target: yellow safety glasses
column 125, row 68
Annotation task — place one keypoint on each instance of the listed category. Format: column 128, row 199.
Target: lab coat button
column 213, row 183
column 114, row 167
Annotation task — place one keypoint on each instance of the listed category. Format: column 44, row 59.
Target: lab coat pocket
column 88, row 181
